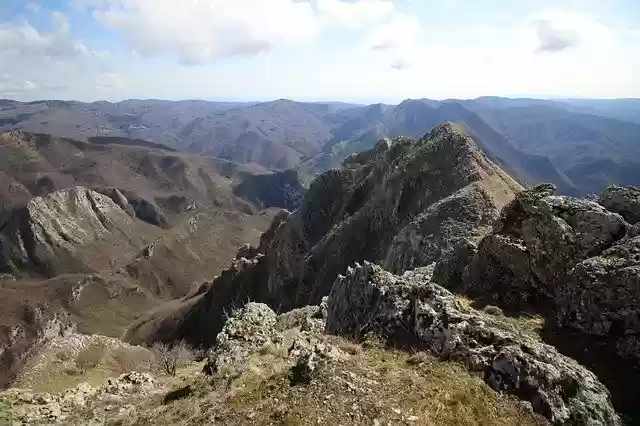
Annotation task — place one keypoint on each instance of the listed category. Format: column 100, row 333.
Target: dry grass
column 95, row 363
column 378, row 383
column 526, row 324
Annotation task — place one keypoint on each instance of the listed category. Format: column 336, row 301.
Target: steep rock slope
column 380, row 203
column 570, row 256
column 74, row 230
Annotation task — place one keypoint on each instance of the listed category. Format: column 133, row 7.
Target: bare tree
column 170, row 357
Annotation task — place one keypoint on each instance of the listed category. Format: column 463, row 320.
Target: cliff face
column 74, row 230
column 406, row 203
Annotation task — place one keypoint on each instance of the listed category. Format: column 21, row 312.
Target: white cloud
column 203, row 31
column 557, row 30
column 554, row 40
column 33, row 7
column 398, row 39
column 10, row 86
column 354, row 14
column 24, row 40
column 110, row 81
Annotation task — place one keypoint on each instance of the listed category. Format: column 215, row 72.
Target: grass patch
column 378, row 383
column 5, row 414
column 525, row 324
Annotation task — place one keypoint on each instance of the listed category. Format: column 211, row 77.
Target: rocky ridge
column 380, row 205
column 439, row 216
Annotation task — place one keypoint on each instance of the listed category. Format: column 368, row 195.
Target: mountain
column 278, row 134
column 418, row 268
column 578, row 145
column 415, row 207
column 155, row 120
column 417, row 197
column 36, row 164
column 621, row 109
column 93, row 233
column 591, row 150
column 414, row 117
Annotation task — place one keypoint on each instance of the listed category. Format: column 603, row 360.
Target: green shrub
column 90, row 357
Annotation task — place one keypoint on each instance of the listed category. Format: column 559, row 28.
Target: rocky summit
column 417, row 284
column 406, row 203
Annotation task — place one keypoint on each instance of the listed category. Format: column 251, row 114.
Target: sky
column 318, row 50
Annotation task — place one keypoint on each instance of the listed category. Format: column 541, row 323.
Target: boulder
column 625, row 201
column 412, row 310
column 540, row 238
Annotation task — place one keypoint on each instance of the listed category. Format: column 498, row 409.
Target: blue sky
column 351, row 50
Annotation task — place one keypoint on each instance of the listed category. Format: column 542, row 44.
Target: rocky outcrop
column 462, row 218
column 138, row 207
column 116, row 398
column 575, row 262
column 601, row 297
column 625, row 201
column 256, row 327
column 412, row 310
column 380, row 207
column 540, row 238
column 19, row 340
column 69, row 231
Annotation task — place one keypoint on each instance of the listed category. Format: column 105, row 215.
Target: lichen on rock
column 412, row 310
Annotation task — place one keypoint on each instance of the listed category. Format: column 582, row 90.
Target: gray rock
column 541, row 237
column 148, row 212
column 410, row 309
column 458, row 220
column 67, row 231
column 601, row 297
column 118, row 198
column 625, row 201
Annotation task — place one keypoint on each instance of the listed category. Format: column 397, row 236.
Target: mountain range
column 290, row 245
column 579, row 145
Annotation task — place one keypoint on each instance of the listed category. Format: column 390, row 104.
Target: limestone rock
column 67, row 231
column 255, row 328
column 625, row 201
column 410, row 309
column 462, row 218
column 541, row 237
column 601, row 297
column 28, row 407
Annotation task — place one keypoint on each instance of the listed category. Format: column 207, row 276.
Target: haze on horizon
column 361, row 51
